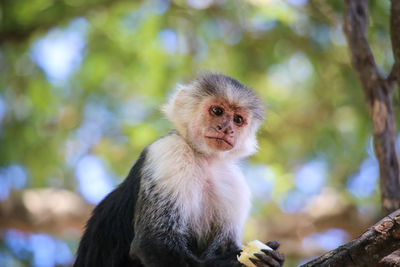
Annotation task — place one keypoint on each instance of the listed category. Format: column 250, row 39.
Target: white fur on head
column 182, row 109
column 177, row 108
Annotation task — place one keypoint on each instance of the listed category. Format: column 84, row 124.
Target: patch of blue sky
column 93, row 180
column 97, row 120
column 397, row 144
column 11, row 177
column 328, row 240
column 221, row 28
column 262, row 23
column 158, row 7
column 41, row 249
column 279, row 75
column 365, row 181
column 201, row 49
column 18, row 243
column 337, row 36
column 161, row 6
column 311, row 177
column 64, row 254
column 295, row 201
column 133, row 20
column 49, row 252
column 168, row 40
column 297, row 2
column 294, row 74
column 211, row 29
column 369, row 147
column 301, row 24
column 300, row 68
column 321, row 34
column 133, row 111
column 261, row 181
column 60, row 52
column 232, row 34
column 7, row 259
column 200, row 4
column 3, row 109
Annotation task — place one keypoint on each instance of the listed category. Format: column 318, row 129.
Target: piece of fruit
column 248, row 251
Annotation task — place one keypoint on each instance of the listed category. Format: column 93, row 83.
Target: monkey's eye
column 238, row 119
column 217, row 110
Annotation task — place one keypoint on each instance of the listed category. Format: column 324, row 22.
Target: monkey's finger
column 266, row 259
column 258, row 263
column 273, row 244
column 274, row 254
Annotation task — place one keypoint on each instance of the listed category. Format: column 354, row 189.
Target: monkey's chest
column 216, row 201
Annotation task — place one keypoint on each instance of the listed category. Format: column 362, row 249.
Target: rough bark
column 369, row 250
column 395, row 35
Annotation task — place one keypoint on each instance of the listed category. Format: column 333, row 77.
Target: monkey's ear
column 177, row 109
column 169, row 108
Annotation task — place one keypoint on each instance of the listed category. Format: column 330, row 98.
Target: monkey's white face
column 219, row 127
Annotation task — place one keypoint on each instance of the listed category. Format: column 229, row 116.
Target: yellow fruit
column 248, row 251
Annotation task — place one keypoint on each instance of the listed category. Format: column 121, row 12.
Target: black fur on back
column 109, row 231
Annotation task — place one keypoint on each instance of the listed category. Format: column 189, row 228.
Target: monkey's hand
column 269, row 258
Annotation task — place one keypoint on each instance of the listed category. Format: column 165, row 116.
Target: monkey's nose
column 226, row 130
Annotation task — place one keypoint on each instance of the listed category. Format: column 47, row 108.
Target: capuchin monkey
column 185, row 201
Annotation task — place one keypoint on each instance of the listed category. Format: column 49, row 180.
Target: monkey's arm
column 224, row 260
column 223, row 251
column 160, row 239
column 159, row 251
column 163, row 251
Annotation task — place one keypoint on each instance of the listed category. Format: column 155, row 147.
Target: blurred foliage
column 129, row 56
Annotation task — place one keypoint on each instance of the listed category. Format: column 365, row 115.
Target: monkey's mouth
column 221, row 140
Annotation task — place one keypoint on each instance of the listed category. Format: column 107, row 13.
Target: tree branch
column 392, row 78
column 53, row 211
column 378, row 92
column 379, row 245
column 355, row 27
column 395, row 35
column 377, row 242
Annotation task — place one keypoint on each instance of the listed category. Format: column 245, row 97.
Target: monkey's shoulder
column 170, row 149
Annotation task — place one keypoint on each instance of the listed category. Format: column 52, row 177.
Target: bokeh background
column 81, row 83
